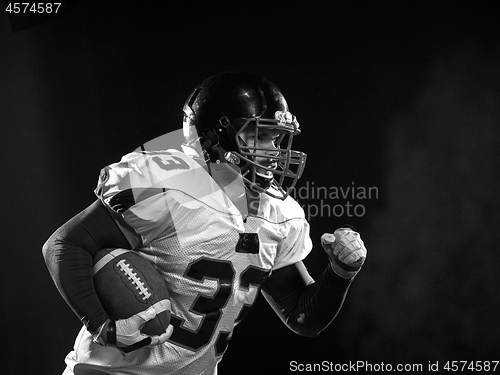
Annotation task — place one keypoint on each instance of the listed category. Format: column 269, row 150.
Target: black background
column 403, row 100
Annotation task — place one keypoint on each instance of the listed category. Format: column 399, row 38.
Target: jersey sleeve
column 297, row 243
column 140, row 189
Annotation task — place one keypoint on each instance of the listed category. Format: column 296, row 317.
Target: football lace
column 132, row 276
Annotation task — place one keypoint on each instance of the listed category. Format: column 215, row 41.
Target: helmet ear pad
column 215, row 143
column 210, row 145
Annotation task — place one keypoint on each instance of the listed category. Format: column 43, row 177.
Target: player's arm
column 69, row 254
column 306, row 306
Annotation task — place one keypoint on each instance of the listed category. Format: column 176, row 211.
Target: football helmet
column 224, row 106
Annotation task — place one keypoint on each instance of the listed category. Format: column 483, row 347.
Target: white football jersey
column 213, row 254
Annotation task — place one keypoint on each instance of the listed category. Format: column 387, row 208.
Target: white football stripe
column 163, row 305
column 108, row 257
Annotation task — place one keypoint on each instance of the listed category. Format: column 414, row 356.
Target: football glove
column 126, row 335
column 346, row 251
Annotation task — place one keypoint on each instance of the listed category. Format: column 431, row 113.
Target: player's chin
column 267, row 170
column 264, row 173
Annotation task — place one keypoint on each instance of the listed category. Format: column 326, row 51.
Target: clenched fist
column 346, row 251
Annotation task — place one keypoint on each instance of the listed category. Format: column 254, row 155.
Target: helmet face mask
column 279, row 165
column 229, row 108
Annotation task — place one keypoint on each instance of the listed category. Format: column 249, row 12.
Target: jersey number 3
column 211, row 307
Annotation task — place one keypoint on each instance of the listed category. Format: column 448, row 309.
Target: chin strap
column 263, row 182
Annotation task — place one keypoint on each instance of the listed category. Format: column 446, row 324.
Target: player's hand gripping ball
column 135, row 297
column 346, row 251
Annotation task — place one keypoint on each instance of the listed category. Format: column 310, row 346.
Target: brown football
column 126, row 283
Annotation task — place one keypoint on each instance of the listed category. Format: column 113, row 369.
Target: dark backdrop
column 403, row 101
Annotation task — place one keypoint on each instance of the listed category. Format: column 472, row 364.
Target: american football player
column 216, row 219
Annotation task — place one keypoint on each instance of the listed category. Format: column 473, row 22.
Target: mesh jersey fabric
column 212, row 254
